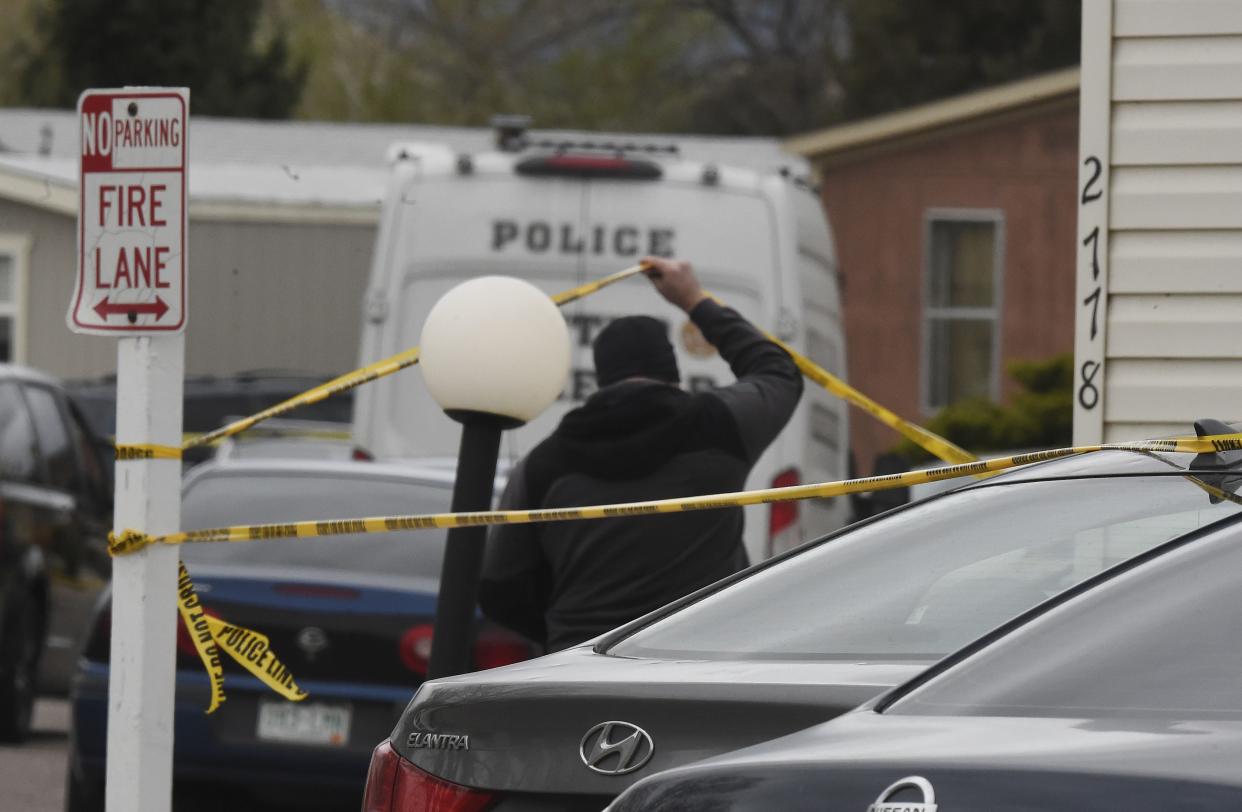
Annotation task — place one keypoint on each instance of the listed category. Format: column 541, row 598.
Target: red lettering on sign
column 161, row 262
column 135, row 205
column 99, row 283
column 156, row 203
column 122, row 270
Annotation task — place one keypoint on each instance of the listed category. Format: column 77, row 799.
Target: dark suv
column 55, row 512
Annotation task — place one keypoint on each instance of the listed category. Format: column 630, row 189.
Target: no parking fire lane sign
column 131, row 212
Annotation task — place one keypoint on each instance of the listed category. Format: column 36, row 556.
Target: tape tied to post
column 136, row 451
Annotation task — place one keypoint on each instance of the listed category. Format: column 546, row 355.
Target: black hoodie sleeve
column 768, row 385
column 513, row 588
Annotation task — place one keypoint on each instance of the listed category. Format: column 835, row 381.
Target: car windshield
column 924, row 581
column 1161, row 641
column 226, row 498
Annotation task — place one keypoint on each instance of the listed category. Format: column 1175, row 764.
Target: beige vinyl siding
column 1174, row 270
column 276, row 296
column 262, row 296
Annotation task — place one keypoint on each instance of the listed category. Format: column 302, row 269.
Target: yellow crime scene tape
column 129, row 541
column 930, row 441
column 247, row 647
column 377, row 370
column 251, row 648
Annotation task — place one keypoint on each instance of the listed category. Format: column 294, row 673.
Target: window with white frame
column 14, row 251
column 964, row 253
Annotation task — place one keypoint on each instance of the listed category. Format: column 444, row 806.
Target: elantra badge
column 615, row 748
column 421, row 739
column 924, row 787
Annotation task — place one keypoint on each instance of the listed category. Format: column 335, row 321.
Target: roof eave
column 846, row 142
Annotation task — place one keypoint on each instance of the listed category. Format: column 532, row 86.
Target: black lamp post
column 495, row 353
column 453, row 639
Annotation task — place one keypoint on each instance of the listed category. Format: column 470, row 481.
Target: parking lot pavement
column 32, row 775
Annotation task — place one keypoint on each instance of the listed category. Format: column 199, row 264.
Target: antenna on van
column 510, row 131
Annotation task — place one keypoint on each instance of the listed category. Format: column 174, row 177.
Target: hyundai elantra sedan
column 1119, row 694
column 792, row 642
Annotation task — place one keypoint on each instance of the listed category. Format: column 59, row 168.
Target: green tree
column 1040, row 416
column 757, row 67
column 209, row 46
column 595, row 64
column 903, row 52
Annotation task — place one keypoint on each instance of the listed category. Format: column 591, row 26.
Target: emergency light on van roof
column 590, row 166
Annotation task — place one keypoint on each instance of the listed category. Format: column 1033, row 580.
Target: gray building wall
column 262, row 295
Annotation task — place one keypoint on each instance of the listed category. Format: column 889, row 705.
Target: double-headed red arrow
column 157, row 308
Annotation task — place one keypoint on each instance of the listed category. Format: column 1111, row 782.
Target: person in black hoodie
column 639, row 437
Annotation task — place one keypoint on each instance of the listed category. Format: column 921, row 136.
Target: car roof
column 28, row 374
column 1107, row 463
column 411, row 470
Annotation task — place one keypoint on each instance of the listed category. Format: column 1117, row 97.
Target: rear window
column 1163, row 641
column 929, row 579
column 221, row 499
column 207, row 410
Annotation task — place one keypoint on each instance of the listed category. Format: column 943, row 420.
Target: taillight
column 493, row 648
column 496, row 647
column 396, row 785
column 414, row 648
column 360, row 454
column 783, row 530
column 591, row 166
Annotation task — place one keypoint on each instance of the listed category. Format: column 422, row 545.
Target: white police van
column 562, row 211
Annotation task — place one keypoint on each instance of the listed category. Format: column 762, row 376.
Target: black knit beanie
column 635, row 347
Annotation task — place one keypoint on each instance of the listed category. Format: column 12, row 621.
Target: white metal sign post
column 131, row 284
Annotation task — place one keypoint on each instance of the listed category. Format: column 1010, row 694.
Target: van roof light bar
column 589, row 166
column 616, row 147
column 510, row 131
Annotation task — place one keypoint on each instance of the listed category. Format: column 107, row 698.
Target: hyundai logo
column 312, row 640
column 924, row 787
column 616, row 748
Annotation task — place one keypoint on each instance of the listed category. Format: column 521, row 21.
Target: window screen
column 962, row 309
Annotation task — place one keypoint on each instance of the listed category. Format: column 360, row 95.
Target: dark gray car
column 789, row 643
column 1122, row 694
column 55, row 512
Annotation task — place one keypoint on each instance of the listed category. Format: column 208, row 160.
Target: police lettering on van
column 540, row 237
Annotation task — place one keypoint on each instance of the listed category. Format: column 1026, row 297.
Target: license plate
column 304, row 723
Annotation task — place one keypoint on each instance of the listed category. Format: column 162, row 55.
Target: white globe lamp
column 494, row 353
column 495, row 346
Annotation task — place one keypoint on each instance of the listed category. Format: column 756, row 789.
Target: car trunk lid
column 583, row 723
